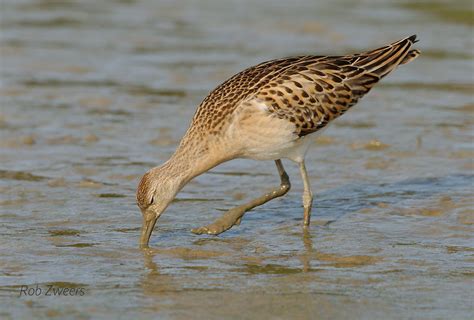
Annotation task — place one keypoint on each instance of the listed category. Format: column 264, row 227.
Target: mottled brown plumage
column 309, row 91
column 267, row 112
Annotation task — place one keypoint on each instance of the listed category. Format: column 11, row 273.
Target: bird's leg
column 307, row 195
column 234, row 216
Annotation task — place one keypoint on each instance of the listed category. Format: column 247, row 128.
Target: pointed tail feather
column 382, row 61
column 376, row 64
column 412, row 55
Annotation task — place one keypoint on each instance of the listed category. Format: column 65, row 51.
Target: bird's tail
column 412, row 55
column 383, row 60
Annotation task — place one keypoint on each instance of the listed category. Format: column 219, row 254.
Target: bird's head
column 156, row 190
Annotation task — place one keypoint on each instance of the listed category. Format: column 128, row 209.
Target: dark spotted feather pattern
column 309, row 91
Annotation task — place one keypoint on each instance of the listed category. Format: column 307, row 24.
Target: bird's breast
column 261, row 135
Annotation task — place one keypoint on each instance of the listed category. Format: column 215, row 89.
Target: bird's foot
column 211, row 229
column 224, row 223
column 214, row 228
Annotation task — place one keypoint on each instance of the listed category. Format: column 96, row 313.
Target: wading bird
column 270, row 111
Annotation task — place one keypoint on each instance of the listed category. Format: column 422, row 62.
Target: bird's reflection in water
column 148, row 261
column 307, row 254
column 153, row 281
column 157, row 282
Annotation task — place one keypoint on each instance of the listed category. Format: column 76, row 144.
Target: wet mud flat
column 95, row 93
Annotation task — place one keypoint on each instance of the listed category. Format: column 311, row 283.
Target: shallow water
column 94, row 93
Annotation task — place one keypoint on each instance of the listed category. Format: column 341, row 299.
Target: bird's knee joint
column 285, row 186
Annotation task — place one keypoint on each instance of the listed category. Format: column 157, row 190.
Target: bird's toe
column 212, row 229
column 199, row 230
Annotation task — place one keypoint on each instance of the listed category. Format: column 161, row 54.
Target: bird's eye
column 151, row 201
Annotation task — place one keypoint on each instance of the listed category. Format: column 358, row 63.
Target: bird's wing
column 306, row 90
column 310, row 91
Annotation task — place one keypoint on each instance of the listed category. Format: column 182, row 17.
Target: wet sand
column 93, row 94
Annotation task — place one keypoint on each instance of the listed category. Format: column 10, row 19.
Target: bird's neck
column 193, row 158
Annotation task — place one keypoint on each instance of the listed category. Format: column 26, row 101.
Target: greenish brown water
column 94, row 93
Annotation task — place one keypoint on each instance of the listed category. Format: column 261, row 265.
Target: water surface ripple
column 94, row 93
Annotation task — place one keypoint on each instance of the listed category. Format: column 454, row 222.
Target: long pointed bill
column 147, row 229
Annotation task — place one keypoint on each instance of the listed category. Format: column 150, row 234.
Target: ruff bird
column 270, row 111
